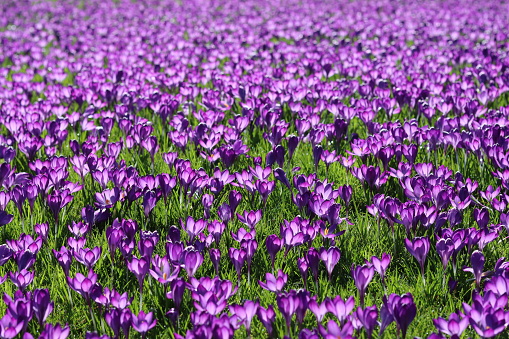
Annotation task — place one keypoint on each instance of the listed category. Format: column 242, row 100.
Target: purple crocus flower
column 42, row 305
column 267, row 317
column 362, row 276
column 419, row 248
column 404, row 312
column 87, row 256
column 10, row 326
column 55, row 332
column 215, row 257
column 340, row 308
column 5, row 218
column 238, row 258
column 22, row 278
column 333, row 330
column 140, row 268
column 273, row 244
column 245, row 313
column 84, row 285
column 454, row 326
column 330, row 258
column 381, row 264
column 143, row 323
column 64, row 258
column 5, row 254
column 445, row 248
column 477, row 261
column 318, row 309
column 287, row 304
column 192, row 261
column 368, row 318
column 274, row 284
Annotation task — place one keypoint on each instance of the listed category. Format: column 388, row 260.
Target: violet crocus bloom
column 404, row 312
column 477, row 261
column 381, row 264
column 162, row 270
column 238, row 258
column 84, row 285
column 368, row 318
column 330, row 258
column 362, row 276
column 318, row 309
column 10, row 326
column 64, row 258
column 419, row 248
column 273, row 244
column 489, row 322
column 22, row 278
column 5, row 218
column 55, row 332
column 334, row 331
column 192, row 261
column 302, row 265
column 143, row 323
column 215, row 257
column 287, row 304
column 140, row 268
column 245, row 313
column 42, row 305
column 5, row 254
column 87, row 256
column 267, row 317
column 445, row 248
column 340, row 308
column 274, row 284
column 454, row 326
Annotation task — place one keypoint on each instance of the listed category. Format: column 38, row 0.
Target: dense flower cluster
column 154, row 138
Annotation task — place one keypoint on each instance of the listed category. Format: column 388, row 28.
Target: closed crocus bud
column 419, row 248
column 362, row 276
column 42, row 305
column 273, row 245
column 215, row 257
column 192, row 261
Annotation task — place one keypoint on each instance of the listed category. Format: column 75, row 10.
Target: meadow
column 223, row 169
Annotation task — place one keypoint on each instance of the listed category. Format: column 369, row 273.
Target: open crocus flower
column 274, row 284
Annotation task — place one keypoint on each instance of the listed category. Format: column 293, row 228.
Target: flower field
column 263, row 169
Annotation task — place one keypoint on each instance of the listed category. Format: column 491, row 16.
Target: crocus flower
column 84, row 285
column 143, row 323
column 267, row 317
column 10, row 327
column 245, row 313
column 22, row 279
column 381, row 264
column 477, row 261
column 273, row 244
column 445, row 248
column 368, row 318
column 340, row 308
column 192, row 261
column 274, row 284
column 419, row 248
column 140, row 268
column 87, row 256
column 454, row 326
column 330, row 258
column 362, row 276
column 42, row 305
column 55, row 332
column 5, row 254
column 238, row 258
